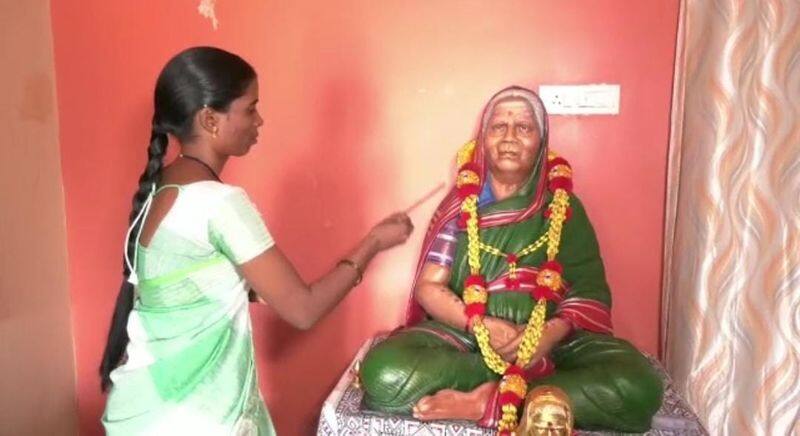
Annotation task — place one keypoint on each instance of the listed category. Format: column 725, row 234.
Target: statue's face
column 512, row 139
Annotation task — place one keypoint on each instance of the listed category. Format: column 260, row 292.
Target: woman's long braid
column 118, row 330
column 150, row 176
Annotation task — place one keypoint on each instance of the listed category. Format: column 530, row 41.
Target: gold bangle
column 352, row 264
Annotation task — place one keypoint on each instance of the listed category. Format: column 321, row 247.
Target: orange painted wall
column 365, row 104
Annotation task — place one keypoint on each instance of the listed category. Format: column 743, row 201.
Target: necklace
column 513, row 258
column 214, row 173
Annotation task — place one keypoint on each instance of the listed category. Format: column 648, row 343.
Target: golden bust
column 547, row 412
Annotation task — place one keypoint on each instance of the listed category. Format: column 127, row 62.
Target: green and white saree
column 190, row 365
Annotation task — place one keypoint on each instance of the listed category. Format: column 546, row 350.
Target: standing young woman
column 179, row 357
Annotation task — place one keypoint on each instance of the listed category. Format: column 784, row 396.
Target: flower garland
column 549, row 283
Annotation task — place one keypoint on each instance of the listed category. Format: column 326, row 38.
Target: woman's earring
column 214, row 133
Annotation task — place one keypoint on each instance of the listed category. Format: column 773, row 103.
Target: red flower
column 510, row 398
column 475, row 309
column 466, row 190
column 557, row 161
column 468, row 181
column 475, row 280
column 540, row 292
column 462, row 220
column 515, row 370
column 560, row 183
column 552, row 265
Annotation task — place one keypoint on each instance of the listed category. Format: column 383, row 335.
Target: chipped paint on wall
column 206, row 9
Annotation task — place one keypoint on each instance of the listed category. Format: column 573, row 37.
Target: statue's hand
column 501, row 332
column 509, row 350
column 392, row 230
column 554, row 331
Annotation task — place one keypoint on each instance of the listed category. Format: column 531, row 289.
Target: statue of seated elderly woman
column 510, row 294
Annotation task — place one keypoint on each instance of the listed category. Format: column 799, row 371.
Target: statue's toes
column 422, row 407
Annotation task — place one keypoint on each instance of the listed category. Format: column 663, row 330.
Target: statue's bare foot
column 452, row 404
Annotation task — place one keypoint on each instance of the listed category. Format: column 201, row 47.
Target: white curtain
column 731, row 321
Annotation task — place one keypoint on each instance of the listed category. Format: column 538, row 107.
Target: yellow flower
column 475, row 294
column 514, row 383
column 549, row 278
column 467, row 177
column 560, row 171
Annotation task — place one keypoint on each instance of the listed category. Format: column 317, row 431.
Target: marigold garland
column 549, row 282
